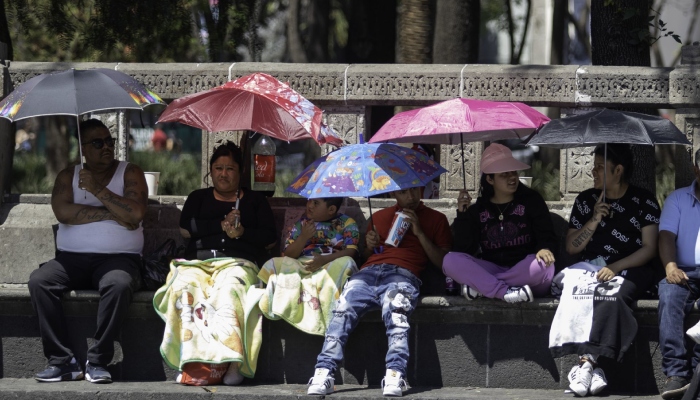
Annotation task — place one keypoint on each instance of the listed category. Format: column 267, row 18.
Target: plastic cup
column 398, row 230
column 152, row 182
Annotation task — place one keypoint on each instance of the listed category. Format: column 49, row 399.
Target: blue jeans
column 386, row 286
column 675, row 301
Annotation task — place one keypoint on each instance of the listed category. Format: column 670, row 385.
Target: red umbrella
column 256, row 102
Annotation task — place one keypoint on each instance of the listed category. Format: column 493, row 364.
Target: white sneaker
column 470, row 293
column 322, row 383
column 517, row 294
column 233, row 374
column 580, row 378
column 598, row 381
column 393, row 384
column 694, row 333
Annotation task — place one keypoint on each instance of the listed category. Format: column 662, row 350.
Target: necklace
column 500, row 216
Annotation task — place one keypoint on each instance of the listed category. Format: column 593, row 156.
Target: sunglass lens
column 99, row 143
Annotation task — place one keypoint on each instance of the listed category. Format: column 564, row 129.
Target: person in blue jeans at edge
column 389, row 280
column 679, row 249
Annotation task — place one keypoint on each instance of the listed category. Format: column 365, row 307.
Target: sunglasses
column 100, row 143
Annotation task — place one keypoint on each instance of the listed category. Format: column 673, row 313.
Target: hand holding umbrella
column 373, row 240
column 463, row 200
column 601, row 209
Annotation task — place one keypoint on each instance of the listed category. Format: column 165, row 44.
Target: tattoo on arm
column 582, row 237
column 92, row 215
column 113, row 199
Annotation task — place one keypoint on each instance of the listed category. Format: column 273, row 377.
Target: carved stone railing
column 347, row 93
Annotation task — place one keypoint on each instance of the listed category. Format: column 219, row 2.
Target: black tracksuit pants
column 115, row 276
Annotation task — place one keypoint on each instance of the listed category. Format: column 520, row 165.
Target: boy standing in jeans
column 388, row 280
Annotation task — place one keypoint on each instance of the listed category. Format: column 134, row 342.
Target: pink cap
column 498, row 158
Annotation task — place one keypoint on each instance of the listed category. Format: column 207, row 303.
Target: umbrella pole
column 605, row 168
column 369, row 201
column 461, row 147
column 80, row 143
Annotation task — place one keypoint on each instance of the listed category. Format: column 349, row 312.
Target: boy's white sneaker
column 694, row 333
column 393, row 384
column 322, row 383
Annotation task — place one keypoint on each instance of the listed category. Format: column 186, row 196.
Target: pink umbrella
column 459, row 120
column 445, row 122
column 257, row 102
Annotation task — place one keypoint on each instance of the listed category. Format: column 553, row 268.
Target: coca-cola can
column 398, row 230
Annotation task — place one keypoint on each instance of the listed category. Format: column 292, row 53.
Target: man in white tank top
column 99, row 241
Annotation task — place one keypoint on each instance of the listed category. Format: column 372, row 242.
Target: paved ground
column 21, row 389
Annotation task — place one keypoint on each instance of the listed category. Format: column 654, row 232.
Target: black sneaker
column 97, row 373
column 60, row 372
column 675, row 387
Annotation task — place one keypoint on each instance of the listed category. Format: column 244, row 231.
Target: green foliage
column 545, row 180
column 29, row 174
column 177, row 176
column 104, row 30
column 665, row 181
column 283, row 179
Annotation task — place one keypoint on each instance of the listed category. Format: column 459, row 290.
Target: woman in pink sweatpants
column 503, row 243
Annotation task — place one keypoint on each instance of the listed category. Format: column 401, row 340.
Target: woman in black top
column 614, row 229
column 510, row 230
column 227, row 220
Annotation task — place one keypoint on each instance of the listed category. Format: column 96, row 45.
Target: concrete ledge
column 431, row 309
column 26, row 389
column 485, row 343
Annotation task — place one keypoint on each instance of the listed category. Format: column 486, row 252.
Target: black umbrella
column 607, row 126
column 76, row 92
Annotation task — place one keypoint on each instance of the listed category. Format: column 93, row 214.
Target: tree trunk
column 297, row 53
column 369, row 20
column 559, row 12
column 318, row 15
column 616, row 41
column 456, row 32
column 5, row 35
column 414, row 32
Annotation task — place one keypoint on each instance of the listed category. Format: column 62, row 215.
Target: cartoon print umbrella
column 458, row 120
column 76, row 92
column 365, row 170
column 608, row 126
column 257, row 102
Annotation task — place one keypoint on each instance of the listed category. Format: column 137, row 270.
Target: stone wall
column 348, row 92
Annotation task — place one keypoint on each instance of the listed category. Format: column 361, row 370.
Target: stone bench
column 454, row 342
